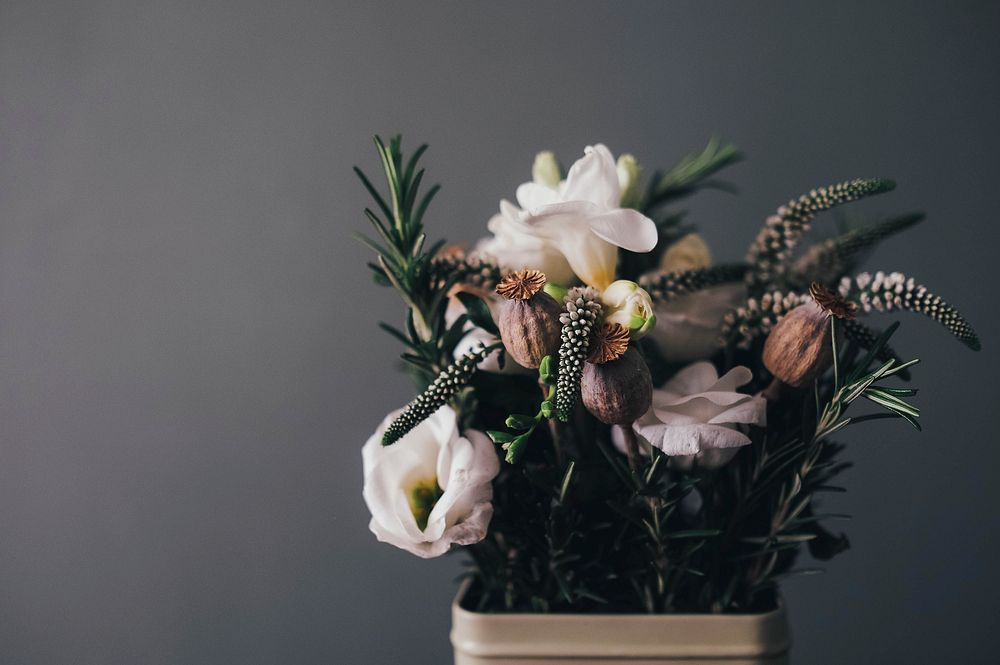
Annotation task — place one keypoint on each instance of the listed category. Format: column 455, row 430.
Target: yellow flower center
column 423, row 495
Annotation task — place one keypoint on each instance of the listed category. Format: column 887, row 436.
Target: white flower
column 432, row 488
column 513, row 249
column 688, row 328
column 579, row 220
column 697, row 411
column 688, row 253
column 630, row 306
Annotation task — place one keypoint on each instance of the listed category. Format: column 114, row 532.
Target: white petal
column 626, row 228
column 695, row 378
column 691, row 439
column 594, row 178
column 532, row 196
column 752, row 411
column 566, row 227
column 733, row 379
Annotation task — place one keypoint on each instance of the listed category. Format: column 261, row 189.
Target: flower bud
column 528, row 318
column 545, row 170
column 617, row 392
column 798, row 351
column 630, row 306
column 689, row 253
column 629, row 172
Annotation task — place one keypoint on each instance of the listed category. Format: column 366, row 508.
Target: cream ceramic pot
column 618, row 639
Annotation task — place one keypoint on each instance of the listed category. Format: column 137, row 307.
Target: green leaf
column 520, row 421
column 547, row 409
column 479, row 312
column 500, row 437
column 545, row 371
column 694, row 533
column 516, row 449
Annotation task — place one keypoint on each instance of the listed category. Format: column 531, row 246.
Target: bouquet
column 606, row 421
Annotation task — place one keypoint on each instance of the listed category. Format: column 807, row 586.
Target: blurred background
column 189, row 361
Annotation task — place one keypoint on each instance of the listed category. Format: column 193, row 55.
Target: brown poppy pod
column 619, row 391
column 528, row 318
column 798, row 351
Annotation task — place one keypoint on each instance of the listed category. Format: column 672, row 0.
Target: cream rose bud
column 689, row 253
column 629, row 305
column 697, row 410
column 431, row 489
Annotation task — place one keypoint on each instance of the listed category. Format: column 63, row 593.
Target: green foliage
column 515, row 444
column 404, row 262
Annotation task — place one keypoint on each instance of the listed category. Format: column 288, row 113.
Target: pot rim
column 564, row 635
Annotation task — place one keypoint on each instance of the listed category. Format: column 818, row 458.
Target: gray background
column 189, row 362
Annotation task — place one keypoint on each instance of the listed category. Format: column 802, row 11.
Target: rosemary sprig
column 406, row 263
column 693, row 172
column 806, row 465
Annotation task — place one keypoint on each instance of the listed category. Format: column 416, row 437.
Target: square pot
column 618, row 639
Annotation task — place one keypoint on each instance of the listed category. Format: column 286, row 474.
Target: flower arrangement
column 606, row 420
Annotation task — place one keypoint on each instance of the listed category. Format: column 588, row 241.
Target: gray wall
column 189, row 361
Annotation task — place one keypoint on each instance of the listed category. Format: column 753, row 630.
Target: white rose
column 697, row 411
column 579, row 220
column 688, row 328
column 432, row 488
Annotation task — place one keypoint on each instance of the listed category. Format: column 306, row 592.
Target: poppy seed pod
column 617, row 392
column 798, row 351
column 528, row 318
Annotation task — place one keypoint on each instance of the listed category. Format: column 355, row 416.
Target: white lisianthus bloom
column 579, row 220
column 432, row 488
column 688, row 328
column 698, row 411
column 629, row 305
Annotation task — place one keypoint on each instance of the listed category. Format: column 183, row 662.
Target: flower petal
column 594, row 178
column 626, row 228
column 691, row 439
column 532, row 196
column 752, row 411
column 733, row 379
column 693, row 379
